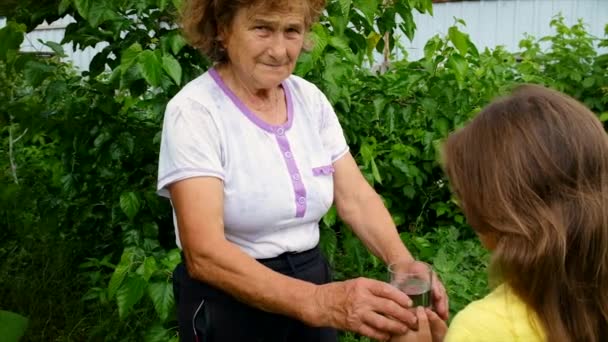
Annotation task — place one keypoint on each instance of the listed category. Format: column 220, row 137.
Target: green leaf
column 177, row 42
column 101, row 139
column 604, row 117
column 99, row 13
column 55, row 92
column 372, row 41
column 431, row 47
column 328, row 243
column 172, row 259
column 130, row 204
column 427, row 5
column 56, row 47
column 127, row 142
column 379, row 105
column 150, row 230
column 320, row 39
column 398, row 219
column 162, row 5
column 459, row 39
column 305, row 64
column 375, row 172
column 367, row 152
column 177, row 3
column 409, row 191
column 401, row 165
column 443, row 126
column 150, row 67
column 460, row 21
column 368, row 8
column 11, row 37
column 345, row 6
column 341, row 44
column 129, row 294
column 329, row 219
column 390, row 117
column 408, row 26
column 161, row 294
column 172, row 68
column 12, row 326
column 588, row 82
column 354, row 251
column 120, row 272
column 147, row 268
column 36, row 72
column 459, row 66
column 83, row 7
column 63, row 6
column 129, row 56
column 158, row 333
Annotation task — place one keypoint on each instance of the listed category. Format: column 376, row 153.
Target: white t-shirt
column 278, row 180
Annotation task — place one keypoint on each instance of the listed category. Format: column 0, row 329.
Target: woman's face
column 263, row 47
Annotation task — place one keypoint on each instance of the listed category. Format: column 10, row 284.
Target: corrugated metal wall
column 489, row 23
column 504, row 22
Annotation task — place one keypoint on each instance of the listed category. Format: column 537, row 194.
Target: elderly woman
column 252, row 157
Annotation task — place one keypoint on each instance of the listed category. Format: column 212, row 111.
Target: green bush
column 88, row 247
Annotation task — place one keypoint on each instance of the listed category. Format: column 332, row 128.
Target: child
column 531, row 174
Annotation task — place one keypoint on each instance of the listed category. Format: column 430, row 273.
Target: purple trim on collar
column 279, row 132
column 248, row 113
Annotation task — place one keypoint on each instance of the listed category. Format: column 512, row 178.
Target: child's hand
column 430, row 328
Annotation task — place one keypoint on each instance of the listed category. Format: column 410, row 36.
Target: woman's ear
column 223, row 34
column 309, row 43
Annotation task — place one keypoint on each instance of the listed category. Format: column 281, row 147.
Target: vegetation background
column 87, row 247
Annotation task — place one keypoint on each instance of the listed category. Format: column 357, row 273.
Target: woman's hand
column 365, row 306
column 431, row 328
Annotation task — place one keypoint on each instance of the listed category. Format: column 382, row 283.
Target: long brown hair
column 532, row 170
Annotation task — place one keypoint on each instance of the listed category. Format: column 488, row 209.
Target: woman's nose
column 278, row 48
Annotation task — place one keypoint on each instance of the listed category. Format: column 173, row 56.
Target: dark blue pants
column 207, row 314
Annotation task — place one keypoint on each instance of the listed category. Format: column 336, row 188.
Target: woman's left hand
column 430, row 328
column 440, row 298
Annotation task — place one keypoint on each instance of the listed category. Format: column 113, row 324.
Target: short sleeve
column 331, row 130
column 190, row 145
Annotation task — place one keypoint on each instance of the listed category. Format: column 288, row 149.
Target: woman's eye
column 293, row 33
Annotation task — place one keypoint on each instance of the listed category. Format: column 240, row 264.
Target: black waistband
column 288, row 261
column 291, row 261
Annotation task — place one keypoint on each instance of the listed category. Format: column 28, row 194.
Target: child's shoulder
column 500, row 316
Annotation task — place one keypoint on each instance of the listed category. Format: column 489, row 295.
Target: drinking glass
column 415, row 279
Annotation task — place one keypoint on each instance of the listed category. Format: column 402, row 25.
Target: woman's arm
column 362, row 209
column 360, row 305
column 211, row 258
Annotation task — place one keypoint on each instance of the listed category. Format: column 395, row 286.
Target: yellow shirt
column 500, row 316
